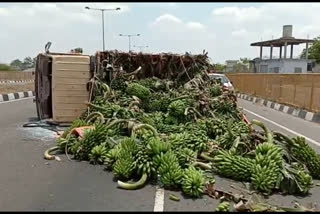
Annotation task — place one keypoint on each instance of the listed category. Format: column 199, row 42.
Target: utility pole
column 129, row 36
column 102, row 13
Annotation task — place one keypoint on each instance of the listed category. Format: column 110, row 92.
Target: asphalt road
column 30, row 183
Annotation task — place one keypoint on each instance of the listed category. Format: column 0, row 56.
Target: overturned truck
column 62, row 82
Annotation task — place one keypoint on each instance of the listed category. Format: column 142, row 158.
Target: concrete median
column 16, row 96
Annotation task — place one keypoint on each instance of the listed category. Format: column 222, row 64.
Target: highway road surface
column 30, row 183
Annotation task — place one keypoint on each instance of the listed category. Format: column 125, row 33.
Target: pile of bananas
column 179, row 134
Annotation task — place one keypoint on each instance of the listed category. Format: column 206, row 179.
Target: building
column 283, row 64
column 230, row 64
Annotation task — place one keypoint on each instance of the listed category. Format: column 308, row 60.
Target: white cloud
column 265, row 21
column 180, row 36
column 196, row 26
column 225, row 32
column 26, row 27
column 238, row 14
column 167, row 18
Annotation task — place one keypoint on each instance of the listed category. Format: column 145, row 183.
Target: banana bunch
column 125, row 165
column 178, row 140
column 215, row 90
column 267, row 167
column 91, row 138
column 156, row 146
column 112, row 156
column 170, row 171
column 304, row 180
column 296, row 179
column 135, row 89
column 98, row 154
column 233, row 166
column 63, row 142
column 161, row 104
column 240, row 127
column 304, row 153
column 226, row 140
column 186, row 157
column 271, row 150
column 193, row 182
column 216, row 127
column 144, row 161
column 144, row 134
column 223, row 207
column 171, row 120
column 197, row 140
column 119, row 83
column 176, row 108
column 154, row 119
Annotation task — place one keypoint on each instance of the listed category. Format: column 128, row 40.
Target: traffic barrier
column 298, row 90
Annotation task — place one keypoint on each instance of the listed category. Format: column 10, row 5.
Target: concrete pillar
column 285, row 50
column 271, row 49
column 291, row 52
column 307, row 50
column 260, row 52
column 280, row 54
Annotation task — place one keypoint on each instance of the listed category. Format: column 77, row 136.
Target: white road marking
column 283, row 127
column 10, row 101
column 159, row 200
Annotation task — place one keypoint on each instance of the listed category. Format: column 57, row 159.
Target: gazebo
column 283, row 64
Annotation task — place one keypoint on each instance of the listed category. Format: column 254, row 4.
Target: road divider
column 16, row 96
column 301, row 113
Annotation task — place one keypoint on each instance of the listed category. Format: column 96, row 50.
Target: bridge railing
column 16, row 75
column 298, row 90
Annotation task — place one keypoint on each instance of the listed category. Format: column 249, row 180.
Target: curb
column 303, row 114
column 15, row 81
column 16, row 96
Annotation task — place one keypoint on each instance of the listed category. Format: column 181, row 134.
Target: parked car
column 223, row 79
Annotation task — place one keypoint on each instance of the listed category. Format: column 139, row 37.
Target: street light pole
column 129, row 36
column 102, row 13
column 103, row 29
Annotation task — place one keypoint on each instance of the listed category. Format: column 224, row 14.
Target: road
column 30, row 183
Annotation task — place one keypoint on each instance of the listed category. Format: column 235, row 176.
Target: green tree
column 5, row 67
column 16, row 65
column 245, row 61
column 27, row 63
column 313, row 52
column 219, row 67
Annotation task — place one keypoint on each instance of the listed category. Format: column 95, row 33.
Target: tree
column 220, row 67
column 16, row 65
column 313, row 52
column 27, row 63
column 5, row 67
column 245, row 61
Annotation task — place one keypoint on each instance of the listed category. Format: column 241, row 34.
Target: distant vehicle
column 223, row 79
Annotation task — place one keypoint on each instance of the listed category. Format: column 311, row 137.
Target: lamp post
column 102, row 13
column 141, row 46
column 129, row 36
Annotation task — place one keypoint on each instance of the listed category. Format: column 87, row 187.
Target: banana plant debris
column 161, row 118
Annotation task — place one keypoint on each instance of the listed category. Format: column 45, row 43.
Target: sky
column 224, row 30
